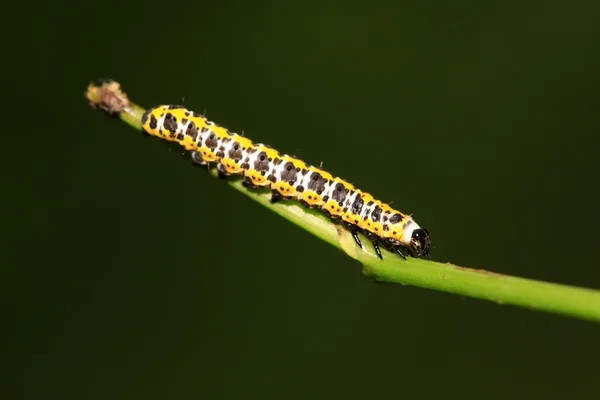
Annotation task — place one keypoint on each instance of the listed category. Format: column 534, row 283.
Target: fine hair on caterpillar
column 288, row 178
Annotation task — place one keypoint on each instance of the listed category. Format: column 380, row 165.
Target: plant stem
column 502, row 289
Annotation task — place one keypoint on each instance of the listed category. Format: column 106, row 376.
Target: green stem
column 502, row 289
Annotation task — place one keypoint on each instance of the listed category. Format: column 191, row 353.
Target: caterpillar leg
column 354, row 231
column 399, row 252
column 377, row 249
column 375, row 242
column 392, row 245
column 247, row 182
column 356, row 238
column 196, row 158
column 221, row 173
column 275, row 197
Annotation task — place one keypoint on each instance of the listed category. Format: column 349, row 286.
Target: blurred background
column 480, row 119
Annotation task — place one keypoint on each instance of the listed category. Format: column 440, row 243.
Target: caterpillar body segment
column 259, row 165
column 288, row 178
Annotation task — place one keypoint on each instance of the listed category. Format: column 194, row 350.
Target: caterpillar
column 288, row 178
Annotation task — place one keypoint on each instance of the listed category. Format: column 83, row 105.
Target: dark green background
column 131, row 275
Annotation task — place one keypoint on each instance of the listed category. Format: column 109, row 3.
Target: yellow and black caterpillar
column 288, row 178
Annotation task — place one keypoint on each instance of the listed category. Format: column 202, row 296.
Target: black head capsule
column 420, row 242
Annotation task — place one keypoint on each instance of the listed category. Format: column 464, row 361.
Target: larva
column 288, row 178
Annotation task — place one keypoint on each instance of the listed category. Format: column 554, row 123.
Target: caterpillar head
column 409, row 235
column 420, row 242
